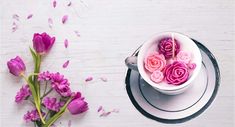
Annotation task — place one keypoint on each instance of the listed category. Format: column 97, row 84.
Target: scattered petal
column 104, row 114
column 69, row 4
column 16, row 17
column 100, row 108
column 14, row 27
column 115, row 110
column 66, row 42
column 29, row 16
column 50, row 22
column 77, row 33
column 54, row 3
column 66, row 64
column 64, row 19
column 89, row 79
column 104, row 79
column 69, row 123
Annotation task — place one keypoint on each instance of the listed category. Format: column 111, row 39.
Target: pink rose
column 176, row 73
column 184, row 56
column 154, row 62
column 192, row 66
column 157, row 76
column 166, row 47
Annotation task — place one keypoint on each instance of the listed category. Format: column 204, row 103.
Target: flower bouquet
column 47, row 107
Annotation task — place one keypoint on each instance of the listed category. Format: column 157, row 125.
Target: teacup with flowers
column 168, row 61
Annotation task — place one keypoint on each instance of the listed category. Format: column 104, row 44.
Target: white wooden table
column 110, row 31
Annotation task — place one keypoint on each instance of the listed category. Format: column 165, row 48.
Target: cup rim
column 156, row 85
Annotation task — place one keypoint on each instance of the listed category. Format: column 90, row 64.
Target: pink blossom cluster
column 169, row 64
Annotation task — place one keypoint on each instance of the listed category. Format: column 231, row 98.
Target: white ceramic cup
column 186, row 44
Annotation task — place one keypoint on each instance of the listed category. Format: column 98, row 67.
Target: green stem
column 46, row 93
column 45, row 89
column 34, row 94
column 58, row 114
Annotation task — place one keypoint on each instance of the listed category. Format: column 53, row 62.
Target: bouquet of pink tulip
column 40, row 85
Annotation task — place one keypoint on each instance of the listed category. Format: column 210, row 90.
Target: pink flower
column 154, row 62
column 22, row 94
column 157, row 76
column 42, row 43
column 16, row 66
column 184, row 57
column 176, row 73
column 77, row 104
column 32, row 116
column 44, row 76
column 60, row 84
column 165, row 47
column 52, row 104
column 192, row 66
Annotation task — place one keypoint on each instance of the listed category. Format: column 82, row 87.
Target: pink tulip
column 16, row 66
column 42, row 43
column 77, row 105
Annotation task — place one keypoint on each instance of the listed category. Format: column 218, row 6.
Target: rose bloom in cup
column 168, row 63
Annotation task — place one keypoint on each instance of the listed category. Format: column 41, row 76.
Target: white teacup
column 186, row 44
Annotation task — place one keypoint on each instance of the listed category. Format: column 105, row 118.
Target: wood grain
column 110, row 31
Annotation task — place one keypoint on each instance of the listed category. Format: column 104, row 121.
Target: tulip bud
column 16, row 66
column 42, row 43
column 77, row 105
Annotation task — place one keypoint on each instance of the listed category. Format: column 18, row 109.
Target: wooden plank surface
column 110, row 31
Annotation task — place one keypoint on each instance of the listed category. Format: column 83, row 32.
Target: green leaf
column 34, row 55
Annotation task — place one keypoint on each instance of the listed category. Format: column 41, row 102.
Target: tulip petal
column 66, row 64
column 64, row 19
column 50, row 22
column 54, row 3
column 89, row 79
column 66, row 43
column 29, row 16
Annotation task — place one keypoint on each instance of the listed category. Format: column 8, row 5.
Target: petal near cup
column 151, row 45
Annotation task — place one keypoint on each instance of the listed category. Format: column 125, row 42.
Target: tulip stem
column 46, row 93
column 34, row 94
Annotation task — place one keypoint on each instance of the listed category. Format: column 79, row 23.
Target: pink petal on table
column 77, row 33
column 100, row 108
column 66, row 64
column 105, row 114
column 69, row 123
column 54, row 3
column 14, row 27
column 115, row 110
column 66, row 42
column 29, row 16
column 64, row 19
column 50, row 22
column 16, row 17
column 69, row 4
column 89, row 79
column 104, row 79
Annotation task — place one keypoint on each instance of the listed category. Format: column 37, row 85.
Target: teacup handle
column 131, row 62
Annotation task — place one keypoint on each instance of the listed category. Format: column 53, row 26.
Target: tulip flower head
column 42, row 43
column 16, row 66
column 77, row 105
